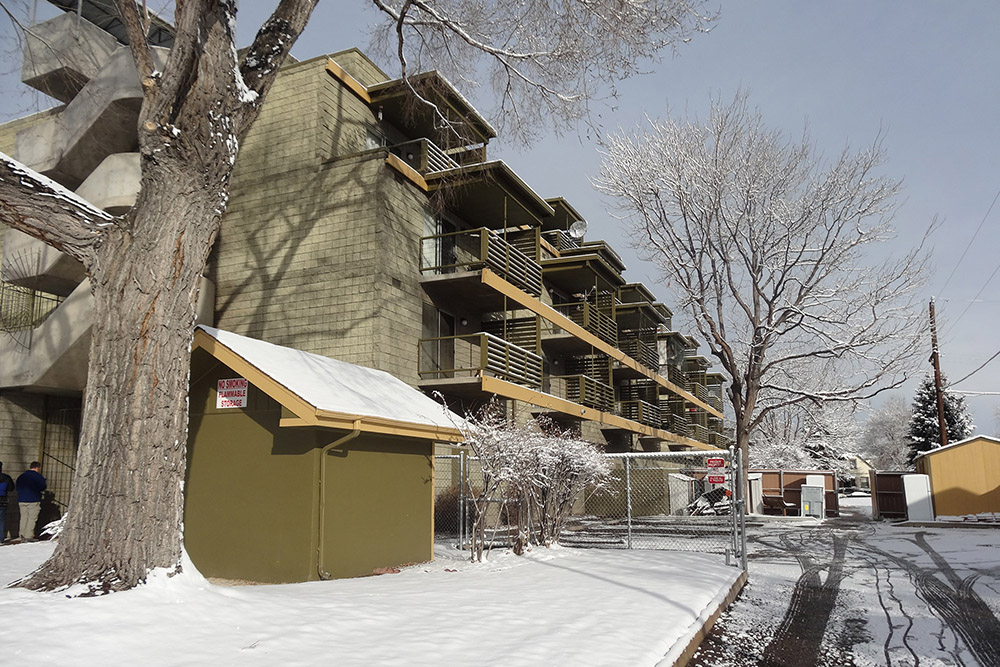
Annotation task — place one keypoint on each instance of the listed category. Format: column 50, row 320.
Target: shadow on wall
column 288, row 255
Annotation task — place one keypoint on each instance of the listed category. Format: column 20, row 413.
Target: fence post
column 461, row 499
column 628, row 498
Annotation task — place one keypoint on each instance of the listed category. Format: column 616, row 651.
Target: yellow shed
column 965, row 476
column 303, row 467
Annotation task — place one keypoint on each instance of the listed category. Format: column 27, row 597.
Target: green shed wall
column 379, row 500
column 252, row 495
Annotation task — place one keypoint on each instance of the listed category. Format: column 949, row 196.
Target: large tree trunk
column 125, row 513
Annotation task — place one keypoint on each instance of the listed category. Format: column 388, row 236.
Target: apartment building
column 363, row 226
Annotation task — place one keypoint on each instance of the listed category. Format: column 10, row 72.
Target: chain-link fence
column 680, row 501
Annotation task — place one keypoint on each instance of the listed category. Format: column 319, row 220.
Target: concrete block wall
column 21, row 433
column 321, row 253
column 359, row 66
column 345, row 119
column 22, row 427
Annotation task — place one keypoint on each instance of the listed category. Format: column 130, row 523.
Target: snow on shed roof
column 322, row 391
column 995, row 441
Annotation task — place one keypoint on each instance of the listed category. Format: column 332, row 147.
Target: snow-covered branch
column 774, row 254
column 40, row 207
column 544, row 60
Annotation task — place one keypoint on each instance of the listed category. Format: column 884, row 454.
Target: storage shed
column 302, row 467
column 965, row 476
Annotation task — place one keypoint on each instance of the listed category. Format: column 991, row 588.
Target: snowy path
column 555, row 607
column 861, row 593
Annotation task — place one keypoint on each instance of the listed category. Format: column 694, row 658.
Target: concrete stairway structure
column 89, row 145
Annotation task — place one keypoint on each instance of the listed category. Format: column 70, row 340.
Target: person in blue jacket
column 6, row 491
column 30, row 485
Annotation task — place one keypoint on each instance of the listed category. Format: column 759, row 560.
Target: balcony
column 471, row 355
column 641, row 351
column 560, row 240
column 424, row 156
column 674, row 375
column 641, row 411
column 588, row 316
column 476, row 249
column 587, row 391
column 700, row 433
column 524, row 332
column 700, row 392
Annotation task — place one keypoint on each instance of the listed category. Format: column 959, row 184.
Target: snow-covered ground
column 557, row 606
column 888, row 576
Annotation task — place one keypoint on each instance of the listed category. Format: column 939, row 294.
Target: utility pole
column 942, row 426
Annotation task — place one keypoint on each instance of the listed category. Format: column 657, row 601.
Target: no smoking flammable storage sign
column 232, row 393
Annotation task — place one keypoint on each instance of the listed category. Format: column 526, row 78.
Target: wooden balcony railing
column 640, row 350
column 474, row 249
column 675, row 375
column 700, row 433
column 424, row 156
column 560, row 240
column 641, row 411
column 588, row 391
column 472, row 354
column 588, row 316
column 699, row 391
column 525, row 332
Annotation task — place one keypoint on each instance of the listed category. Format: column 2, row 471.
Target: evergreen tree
column 924, row 432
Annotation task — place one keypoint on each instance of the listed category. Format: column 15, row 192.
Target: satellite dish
column 578, row 229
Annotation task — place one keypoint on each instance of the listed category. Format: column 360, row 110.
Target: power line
column 981, row 289
column 995, row 355
column 959, row 262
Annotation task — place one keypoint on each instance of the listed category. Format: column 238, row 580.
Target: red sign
column 715, row 463
column 716, row 479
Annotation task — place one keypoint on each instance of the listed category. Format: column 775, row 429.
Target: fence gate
column 680, row 501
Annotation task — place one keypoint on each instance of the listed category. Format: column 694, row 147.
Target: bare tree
column 531, row 475
column 773, row 254
column 546, row 59
column 886, row 438
column 807, row 436
column 144, row 266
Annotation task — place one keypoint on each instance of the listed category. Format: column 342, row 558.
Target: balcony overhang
column 638, row 315
column 485, row 386
column 565, row 344
column 397, row 100
column 601, row 248
column 104, row 14
column 464, row 289
column 715, row 378
column 565, row 215
column 489, row 194
column 635, row 293
column 696, row 363
column 579, row 273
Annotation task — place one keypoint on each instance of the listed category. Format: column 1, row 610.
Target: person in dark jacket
column 6, row 491
column 30, row 485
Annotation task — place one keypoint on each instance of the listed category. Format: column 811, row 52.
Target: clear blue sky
column 926, row 72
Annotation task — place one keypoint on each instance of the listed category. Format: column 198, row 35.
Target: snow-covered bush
column 531, row 477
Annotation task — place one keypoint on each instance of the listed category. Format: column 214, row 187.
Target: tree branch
column 40, row 207
column 135, row 28
column 263, row 59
